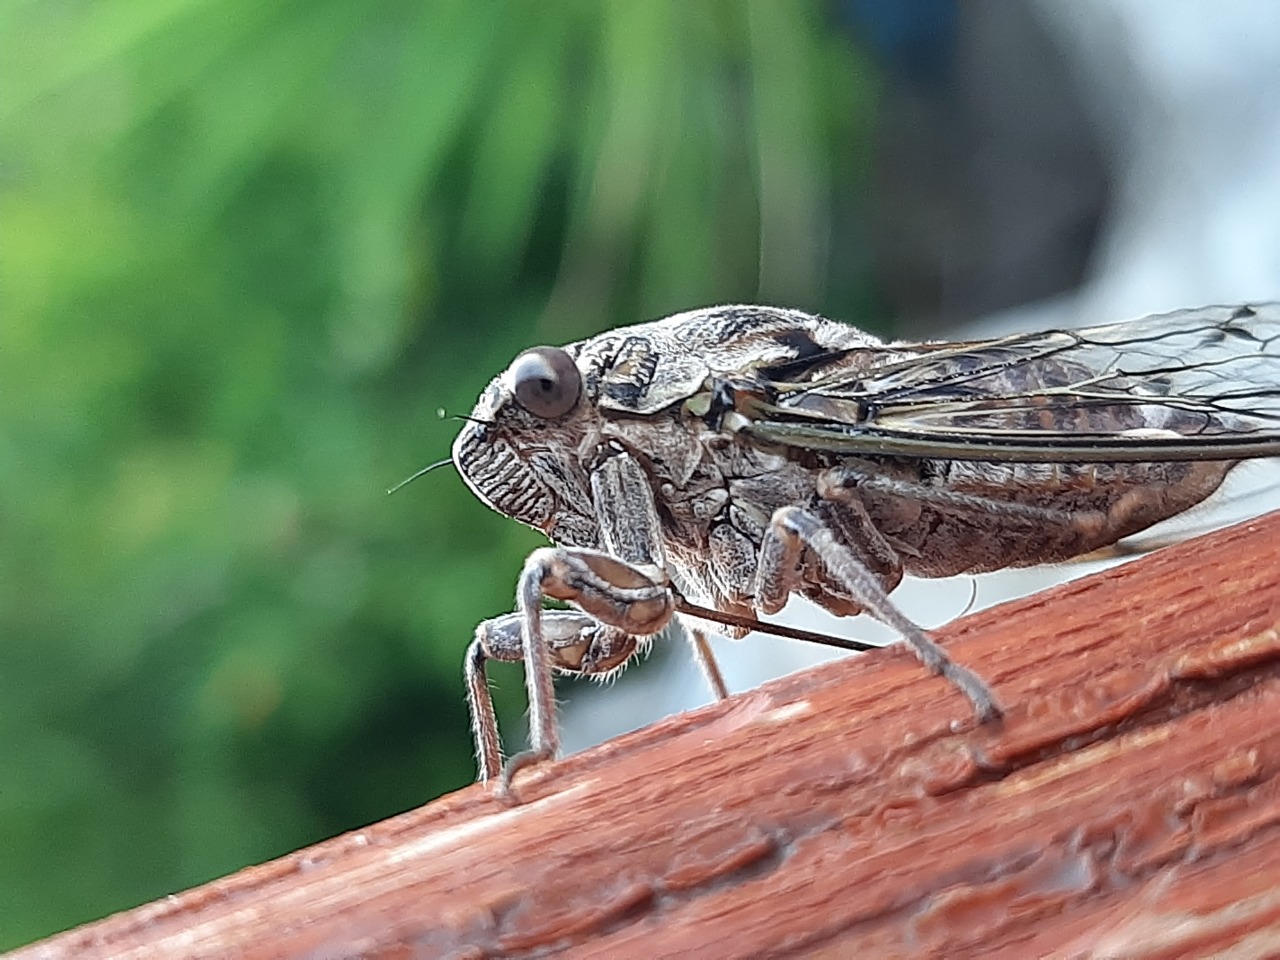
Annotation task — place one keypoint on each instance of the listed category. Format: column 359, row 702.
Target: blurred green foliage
column 248, row 250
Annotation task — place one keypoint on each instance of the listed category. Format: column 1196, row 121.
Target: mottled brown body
column 733, row 456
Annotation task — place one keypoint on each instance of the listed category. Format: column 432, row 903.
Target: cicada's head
column 519, row 450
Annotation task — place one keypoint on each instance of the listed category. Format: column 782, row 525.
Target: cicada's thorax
column 715, row 497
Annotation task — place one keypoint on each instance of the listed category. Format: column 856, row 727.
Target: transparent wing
column 1193, row 384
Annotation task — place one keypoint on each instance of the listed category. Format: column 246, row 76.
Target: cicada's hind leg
column 792, row 529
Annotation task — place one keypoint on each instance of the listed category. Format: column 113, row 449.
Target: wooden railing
column 1128, row 805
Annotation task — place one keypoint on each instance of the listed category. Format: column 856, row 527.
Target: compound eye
column 546, row 382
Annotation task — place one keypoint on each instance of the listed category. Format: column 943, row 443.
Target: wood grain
column 1128, row 806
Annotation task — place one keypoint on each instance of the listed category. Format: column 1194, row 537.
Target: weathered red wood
column 1128, row 805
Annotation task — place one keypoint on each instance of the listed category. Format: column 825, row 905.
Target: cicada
column 707, row 466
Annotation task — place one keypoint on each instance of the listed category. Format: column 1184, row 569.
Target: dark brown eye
column 546, row 382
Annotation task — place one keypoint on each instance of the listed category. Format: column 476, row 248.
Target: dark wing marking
column 1193, row 384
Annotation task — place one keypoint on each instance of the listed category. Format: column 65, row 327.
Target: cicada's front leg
column 575, row 643
column 637, row 602
column 792, row 529
column 624, row 595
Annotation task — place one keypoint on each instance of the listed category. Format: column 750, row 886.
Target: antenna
column 423, row 472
